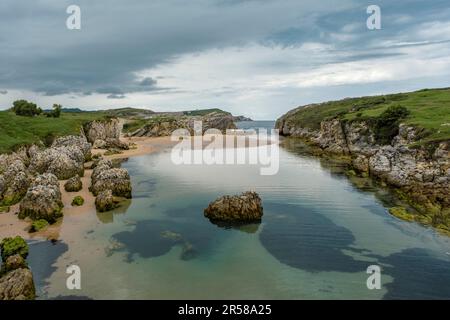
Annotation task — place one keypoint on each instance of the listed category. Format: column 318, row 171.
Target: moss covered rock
column 38, row 225
column 402, row 213
column 78, row 201
column 13, row 246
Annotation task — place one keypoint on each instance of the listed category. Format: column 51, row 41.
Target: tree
column 56, row 112
column 25, row 108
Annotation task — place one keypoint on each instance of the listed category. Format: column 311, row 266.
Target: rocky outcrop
column 111, row 144
column 246, row 207
column 108, row 183
column 16, row 280
column 17, row 285
column 421, row 176
column 102, row 129
column 42, row 200
column 106, row 177
column 105, row 201
column 78, row 141
column 63, row 161
column 165, row 126
column 14, row 182
column 74, row 184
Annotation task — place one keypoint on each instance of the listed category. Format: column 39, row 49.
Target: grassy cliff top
column 20, row 130
column 429, row 109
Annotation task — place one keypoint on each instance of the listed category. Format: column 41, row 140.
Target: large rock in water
column 246, row 207
column 105, row 201
column 105, row 177
column 17, row 285
column 43, row 199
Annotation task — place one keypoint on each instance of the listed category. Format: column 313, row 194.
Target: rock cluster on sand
column 42, row 200
column 74, row 184
column 16, row 280
column 107, row 183
column 246, row 207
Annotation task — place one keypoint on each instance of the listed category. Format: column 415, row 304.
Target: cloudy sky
column 259, row 58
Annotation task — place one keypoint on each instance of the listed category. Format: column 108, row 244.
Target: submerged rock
column 74, row 184
column 43, row 200
column 246, row 207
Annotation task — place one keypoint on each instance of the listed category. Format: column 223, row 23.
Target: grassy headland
column 429, row 109
column 17, row 130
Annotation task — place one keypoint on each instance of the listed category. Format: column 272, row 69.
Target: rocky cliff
column 420, row 173
column 164, row 126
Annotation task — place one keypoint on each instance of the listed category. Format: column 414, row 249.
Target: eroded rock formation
column 246, row 207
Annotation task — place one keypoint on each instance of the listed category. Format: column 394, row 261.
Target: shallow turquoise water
column 318, row 235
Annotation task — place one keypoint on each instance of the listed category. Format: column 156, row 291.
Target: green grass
column 429, row 109
column 16, row 130
column 202, row 112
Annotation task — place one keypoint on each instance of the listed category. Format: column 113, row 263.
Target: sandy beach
column 11, row 225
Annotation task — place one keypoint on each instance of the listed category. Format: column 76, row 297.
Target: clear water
column 318, row 235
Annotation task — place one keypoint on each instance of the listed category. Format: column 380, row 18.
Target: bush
column 25, row 108
column 386, row 125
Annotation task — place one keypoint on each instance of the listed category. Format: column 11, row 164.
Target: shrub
column 386, row 125
column 55, row 113
column 25, row 108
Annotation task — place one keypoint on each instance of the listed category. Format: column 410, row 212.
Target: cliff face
column 422, row 176
column 102, row 129
column 165, row 126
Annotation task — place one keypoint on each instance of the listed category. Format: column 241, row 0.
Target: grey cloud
column 116, row 96
column 3, row 91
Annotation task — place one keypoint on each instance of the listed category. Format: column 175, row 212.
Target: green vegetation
column 4, row 209
column 38, row 225
column 25, row 108
column 429, row 109
column 401, row 213
column 129, row 112
column 386, row 124
column 202, row 112
column 17, row 130
column 12, row 246
column 55, row 113
column 136, row 124
column 78, row 201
